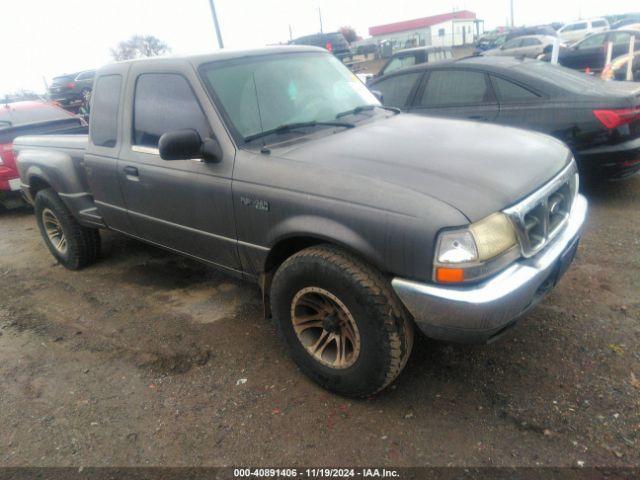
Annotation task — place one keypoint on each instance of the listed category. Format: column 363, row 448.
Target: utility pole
column 290, row 33
column 320, row 15
column 215, row 23
column 511, row 3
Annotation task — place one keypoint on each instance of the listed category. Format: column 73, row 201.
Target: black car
column 599, row 121
column 73, row 88
column 334, row 42
column 591, row 53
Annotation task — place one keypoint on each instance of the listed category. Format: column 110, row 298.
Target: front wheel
column 73, row 245
column 343, row 324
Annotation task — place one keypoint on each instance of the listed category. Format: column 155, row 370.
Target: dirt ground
column 147, row 358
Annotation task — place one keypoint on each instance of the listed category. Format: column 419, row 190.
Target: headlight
column 476, row 251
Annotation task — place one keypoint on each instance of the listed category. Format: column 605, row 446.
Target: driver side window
column 164, row 102
column 594, row 41
column 396, row 90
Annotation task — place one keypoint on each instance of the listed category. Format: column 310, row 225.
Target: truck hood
column 476, row 168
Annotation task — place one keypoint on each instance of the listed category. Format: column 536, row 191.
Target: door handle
column 131, row 171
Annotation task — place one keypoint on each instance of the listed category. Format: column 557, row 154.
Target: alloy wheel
column 53, row 229
column 325, row 327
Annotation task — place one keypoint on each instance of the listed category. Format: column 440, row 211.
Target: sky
column 40, row 39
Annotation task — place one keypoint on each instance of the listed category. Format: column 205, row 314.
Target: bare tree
column 139, row 46
column 349, row 33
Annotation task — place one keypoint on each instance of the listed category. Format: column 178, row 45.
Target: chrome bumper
column 479, row 312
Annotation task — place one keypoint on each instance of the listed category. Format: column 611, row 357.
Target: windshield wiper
column 287, row 127
column 364, row 108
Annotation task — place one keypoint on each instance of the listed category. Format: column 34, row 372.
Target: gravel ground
column 147, row 358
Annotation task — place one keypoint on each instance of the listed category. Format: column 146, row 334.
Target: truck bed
column 62, row 142
column 66, row 152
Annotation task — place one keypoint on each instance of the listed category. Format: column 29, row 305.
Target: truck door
column 101, row 157
column 185, row 205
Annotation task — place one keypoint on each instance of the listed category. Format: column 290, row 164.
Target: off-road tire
column 385, row 330
column 83, row 243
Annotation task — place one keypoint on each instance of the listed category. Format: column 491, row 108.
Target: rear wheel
column 343, row 324
column 72, row 244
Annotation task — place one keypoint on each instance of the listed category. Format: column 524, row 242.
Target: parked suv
column 334, row 42
column 575, row 31
column 72, row 89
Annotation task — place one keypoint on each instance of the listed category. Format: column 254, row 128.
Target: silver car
column 531, row 46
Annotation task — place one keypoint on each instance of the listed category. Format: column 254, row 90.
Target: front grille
column 542, row 215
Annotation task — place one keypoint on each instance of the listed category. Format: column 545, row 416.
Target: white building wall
column 445, row 34
column 421, row 36
column 453, row 33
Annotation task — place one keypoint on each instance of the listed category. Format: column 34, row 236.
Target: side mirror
column 187, row 144
column 377, row 94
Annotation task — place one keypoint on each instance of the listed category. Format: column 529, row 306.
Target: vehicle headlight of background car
column 472, row 253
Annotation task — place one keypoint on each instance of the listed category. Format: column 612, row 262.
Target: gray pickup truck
column 358, row 222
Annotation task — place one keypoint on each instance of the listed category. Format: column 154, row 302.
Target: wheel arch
column 316, row 231
column 303, row 232
column 37, row 181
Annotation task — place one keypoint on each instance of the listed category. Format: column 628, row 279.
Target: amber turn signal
column 449, row 275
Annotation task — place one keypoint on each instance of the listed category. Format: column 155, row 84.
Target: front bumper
column 478, row 313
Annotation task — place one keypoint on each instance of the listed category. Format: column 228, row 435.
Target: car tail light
column 329, row 47
column 6, row 154
column 614, row 118
column 71, row 85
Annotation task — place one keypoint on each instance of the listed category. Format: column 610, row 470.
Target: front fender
column 328, row 230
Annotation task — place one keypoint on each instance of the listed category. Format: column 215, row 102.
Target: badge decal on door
column 257, row 204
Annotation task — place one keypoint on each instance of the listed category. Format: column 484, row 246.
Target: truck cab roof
column 227, row 54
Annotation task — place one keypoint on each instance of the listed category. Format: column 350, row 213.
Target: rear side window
column 455, row 87
column 574, row 27
column 592, row 41
column 395, row 90
column 530, row 42
column 599, row 23
column 510, row 92
column 165, row 102
column 515, row 43
column 620, row 38
column 104, row 111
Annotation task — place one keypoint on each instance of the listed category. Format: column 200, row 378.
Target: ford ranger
column 359, row 223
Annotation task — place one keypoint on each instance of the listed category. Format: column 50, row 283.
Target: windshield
column 259, row 94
